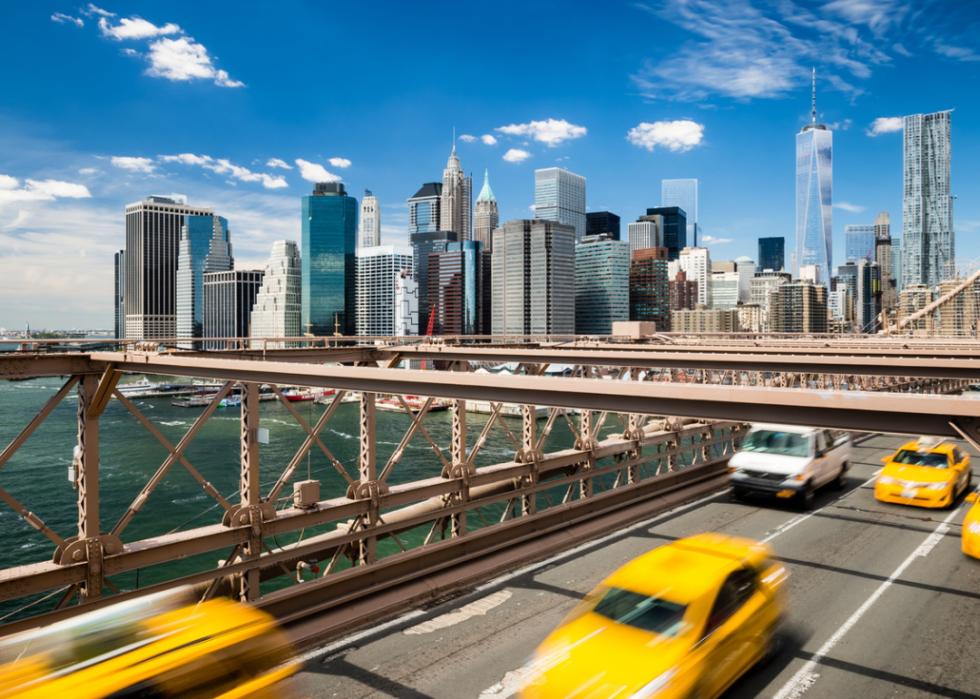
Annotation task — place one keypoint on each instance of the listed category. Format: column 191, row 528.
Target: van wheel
column 805, row 499
column 841, row 479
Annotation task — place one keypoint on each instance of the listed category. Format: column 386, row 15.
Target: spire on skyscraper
column 813, row 97
column 486, row 194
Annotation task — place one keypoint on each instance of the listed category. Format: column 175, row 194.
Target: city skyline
column 643, row 121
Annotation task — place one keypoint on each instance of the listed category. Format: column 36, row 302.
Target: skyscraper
column 379, row 271
column 153, row 228
column 883, row 256
column 487, row 217
column 406, row 304
column 602, row 277
column 814, row 189
column 772, row 253
column 369, row 223
column 696, row 264
column 859, row 242
column 458, row 291
column 645, row 232
column 277, row 311
column 798, row 307
column 673, row 232
column 424, row 207
column 204, row 247
column 457, row 199
column 328, row 262
column 600, row 222
column 559, row 195
column 119, row 295
column 927, row 205
column 649, row 287
column 424, row 244
column 228, row 300
column 683, row 194
column 532, row 262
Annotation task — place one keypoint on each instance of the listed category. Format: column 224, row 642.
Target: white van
column 789, row 462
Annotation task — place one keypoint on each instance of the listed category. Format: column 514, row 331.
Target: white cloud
column 87, row 171
column 135, row 28
column 93, row 11
column 678, row 136
column 848, row 207
column 223, row 166
column 314, row 172
column 8, row 182
column 39, row 190
column 279, row 163
column 957, row 53
column 885, row 125
column 516, row 155
column 488, row 139
column 132, row 163
column 184, row 59
column 467, row 138
column 548, row 131
column 23, row 215
column 712, row 240
column 62, row 18
column 342, row 163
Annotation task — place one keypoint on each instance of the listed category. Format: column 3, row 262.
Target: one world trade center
column 814, row 186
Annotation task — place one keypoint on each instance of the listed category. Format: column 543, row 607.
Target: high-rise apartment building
column 406, row 304
column 696, row 264
column 724, row 289
column 705, row 320
column 153, row 228
column 927, row 205
column 379, row 271
column 602, row 277
column 424, row 208
column 486, row 216
column 329, row 259
column 859, row 242
column 913, row 298
column 423, row 245
column 650, row 288
column 532, row 263
column 119, row 294
column 456, row 205
column 814, row 191
column 559, row 195
column 684, row 195
column 772, row 254
column 602, row 223
column 459, row 289
column 645, row 232
column 204, row 247
column 369, row 223
column 278, row 310
column 760, row 292
column 683, row 292
column 798, row 307
column 959, row 316
column 745, row 267
column 673, row 231
column 228, row 300
column 883, row 256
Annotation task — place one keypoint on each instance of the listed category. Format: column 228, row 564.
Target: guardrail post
column 250, row 488
column 367, row 465
column 586, row 443
column 528, row 455
column 87, row 479
column 460, row 468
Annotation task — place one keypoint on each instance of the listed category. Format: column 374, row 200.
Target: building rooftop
column 429, row 189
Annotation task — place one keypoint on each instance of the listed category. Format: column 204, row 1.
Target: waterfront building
column 424, row 208
column 204, row 247
column 378, row 272
column 153, row 228
column 602, row 223
column 459, row 289
column 649, row 288
column 927, row 204
column 696, row 263
column 369, row 222
column 424, row 243
column 487, row 215
column 683, row 291
column 277, row 311
column 673, row 230
column 229, row 297
column 329, row 229
column 456, row 204
column 702, row 320
column 683, row 194
column 602, row 283
column 119, row 294
column 645, row 232
column 772, row 253
column 559, row 195
column 798, row 307
column 814, row 190
column 532, row 263
column 406, row 304
column 883, row 256
column 859, row 242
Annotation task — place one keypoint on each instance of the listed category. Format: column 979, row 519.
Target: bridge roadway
column 881, row 603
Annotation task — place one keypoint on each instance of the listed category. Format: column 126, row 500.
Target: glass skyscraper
column 559, row 195
column 683, row 194
column 119, row 260
column 859, row 242
column 424, row 208
column 424, row 243
column 204, row 247
column 459, row 289
column 329, row 260
column 772, row 253
column 674, row 233
column 602, row 277
column 814, row 190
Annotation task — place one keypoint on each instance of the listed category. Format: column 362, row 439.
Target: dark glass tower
column 772, row 254
column 675, row 229
column 597, row 222
column 329, row 260
column 423, row 245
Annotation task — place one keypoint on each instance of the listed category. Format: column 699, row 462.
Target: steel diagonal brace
column 968, row 430
column 31, row 518
column 417, row 422
column 36, row 421
column 399, row 451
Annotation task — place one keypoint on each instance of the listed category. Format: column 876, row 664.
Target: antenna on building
column 454, row 139
column 813, row 97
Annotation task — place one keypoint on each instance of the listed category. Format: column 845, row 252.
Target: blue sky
column 104, row 104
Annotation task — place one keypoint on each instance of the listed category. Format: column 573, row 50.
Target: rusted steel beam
column 24, row 365
column 36, row 421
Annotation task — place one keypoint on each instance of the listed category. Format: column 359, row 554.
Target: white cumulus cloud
column 8, row 182
column 848, row 207
column 184, row 59
column 132, row 163
column 223, row 166
column 135, row 28
column 885, row 125
column 339, row 162
column 314, row 172
column 467, row 138
column 39, row 190
column 678, row 136
column 547, row 131
column 279, row 163
column 516, row 155
column 713, row 240
column 87, row 171
column 489, row 139
column 62, row 18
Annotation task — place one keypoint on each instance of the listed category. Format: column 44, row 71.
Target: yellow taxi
column 159, row 646
column 685, row 619
column 924, row 475
column 971, row 527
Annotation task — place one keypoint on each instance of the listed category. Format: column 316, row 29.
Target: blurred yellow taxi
column 971, row 527
column 160, row 646
column 924, row 475
column 686, row 619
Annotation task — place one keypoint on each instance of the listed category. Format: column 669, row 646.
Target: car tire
column 737, row 495
column 804, row 500
column 841, row 481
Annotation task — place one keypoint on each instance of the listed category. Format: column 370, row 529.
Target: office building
column 703, row 320
column 459, row 289
column 696, row 264
column 119, row 294
column 486, row 216
column 456, row 206
column 683, row 292
column 897, row 257
column 532, row 263
column 153, row 228
column 760, row 291
column 228, row 300
column 810, row 273
column 329, row 229
column 859, row 242
column 369, row 222
column 867, row 300
column 750, row 318
column 883, row 256
column 927, row 204
column 645, row 232
column 724, row 289
column 602, row 278
column 423, row 245
column 424, row 208
column 378, row 271
column 278, row 310
column 746, row 269
column 204, row 247
column 559, row 195
column 673, row 231
column 814, row 190
column 602, row 223
column 406, row 304
column 684, row 195
column 798, row 307
column 840, row 308
column 772, row 254
column 650, row 288
column 912, row 299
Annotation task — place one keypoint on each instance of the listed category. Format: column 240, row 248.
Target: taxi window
column 641, row 611
column 957, row 455
column 737, row 589
column 921, row 458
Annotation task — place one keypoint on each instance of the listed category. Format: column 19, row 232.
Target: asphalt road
column 881, row 603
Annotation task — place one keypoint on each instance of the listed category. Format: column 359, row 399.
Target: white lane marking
column 805, row 677
column 478, row 608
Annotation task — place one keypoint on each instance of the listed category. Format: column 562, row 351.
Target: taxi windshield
column 777, row 442
column 921, row 458
column 641, row 611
